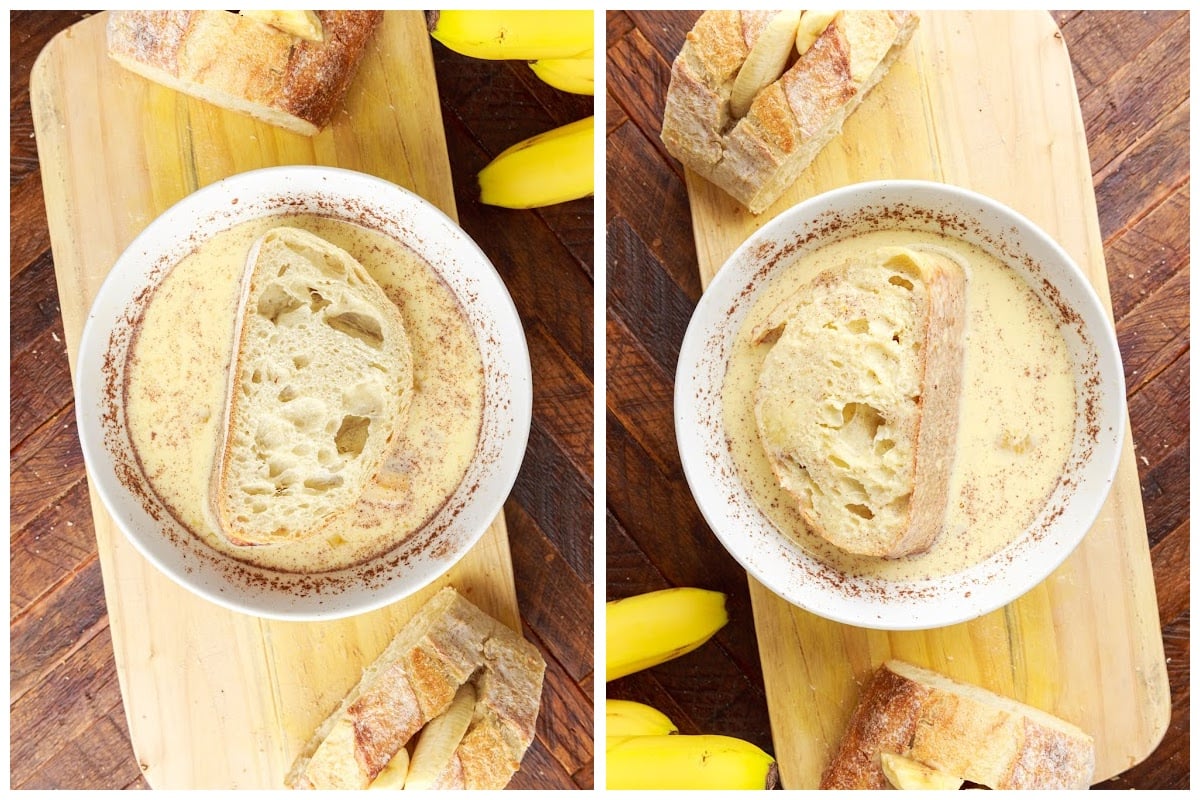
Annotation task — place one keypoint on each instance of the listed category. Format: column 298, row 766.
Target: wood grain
column 68, row 722
column 642, row 355
column 270, row 683
column 1018, row 141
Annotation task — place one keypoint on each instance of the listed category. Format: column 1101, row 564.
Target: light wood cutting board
column 986, row 101
column 213, row 698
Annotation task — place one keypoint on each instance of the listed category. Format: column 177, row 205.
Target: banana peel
column 704, row 761
column 630, row 718
column 552, row 167
column 524, row 35
column 648, row 629
column 574, row 75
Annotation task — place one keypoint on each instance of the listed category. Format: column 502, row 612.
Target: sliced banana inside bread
column 857, row 401
column 454, row 678
column 321, row 378
column 748, row 111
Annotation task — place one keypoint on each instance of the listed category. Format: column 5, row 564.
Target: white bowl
column 774, row 558
column 425, row 555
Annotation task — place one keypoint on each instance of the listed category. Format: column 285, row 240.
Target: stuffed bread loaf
column 448, row 643
column 756, row 157
column 958, row 730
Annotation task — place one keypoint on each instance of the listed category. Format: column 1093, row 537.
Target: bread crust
column 245, row 65
column 755, row 159
column 958, row 729
column 447, row 643
column 490, row 751
column 937, row 425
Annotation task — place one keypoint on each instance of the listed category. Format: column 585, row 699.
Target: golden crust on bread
column 719, row 45
column 446, row 644
column 957, row 729
column 756, row 158
column 241, row 64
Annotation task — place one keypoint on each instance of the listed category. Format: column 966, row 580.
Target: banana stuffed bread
column 755, row 95
column 451, row 667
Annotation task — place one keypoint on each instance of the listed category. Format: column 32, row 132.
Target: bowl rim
column 752, row 541
column 459, row 261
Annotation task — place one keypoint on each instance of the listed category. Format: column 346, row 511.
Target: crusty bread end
column 957, row 729
column 245, row 65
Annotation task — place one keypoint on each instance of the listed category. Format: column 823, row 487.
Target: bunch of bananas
column 554, row 166
column 644, row 749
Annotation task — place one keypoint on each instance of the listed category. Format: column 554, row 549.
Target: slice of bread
column 756, row 158
column 447, row 643
column 321, row 378
column 857, row 401
column 245, row 65
column 956, row 729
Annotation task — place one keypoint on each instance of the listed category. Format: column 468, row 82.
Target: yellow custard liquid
column 178, row 368
column 1016, row 418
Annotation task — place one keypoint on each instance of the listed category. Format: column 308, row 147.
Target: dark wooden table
column 1131, row 73
column 68, row 727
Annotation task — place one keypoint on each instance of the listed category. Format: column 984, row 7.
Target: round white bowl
column 422, row 557
column 778, row 561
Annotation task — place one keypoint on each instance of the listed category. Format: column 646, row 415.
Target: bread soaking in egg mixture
column 321, row 380
column 177, row 379
column 857, row 400
column 1015, row 416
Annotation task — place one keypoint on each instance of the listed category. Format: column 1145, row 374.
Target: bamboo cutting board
column 213, row 698
column 986, row 101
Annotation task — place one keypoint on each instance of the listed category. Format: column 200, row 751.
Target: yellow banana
column 549, row 168
column 628, row 718
column 765, row 61
column 304, row 24
column 648, row 629
column 525, row 35
column 688, row 762
column 393, row 775
column 812, row 25
column 439, row 739
column 574, row 75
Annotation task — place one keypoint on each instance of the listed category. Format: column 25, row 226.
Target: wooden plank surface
column 727, row 688
column 1021, row 141
column 58, row 617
